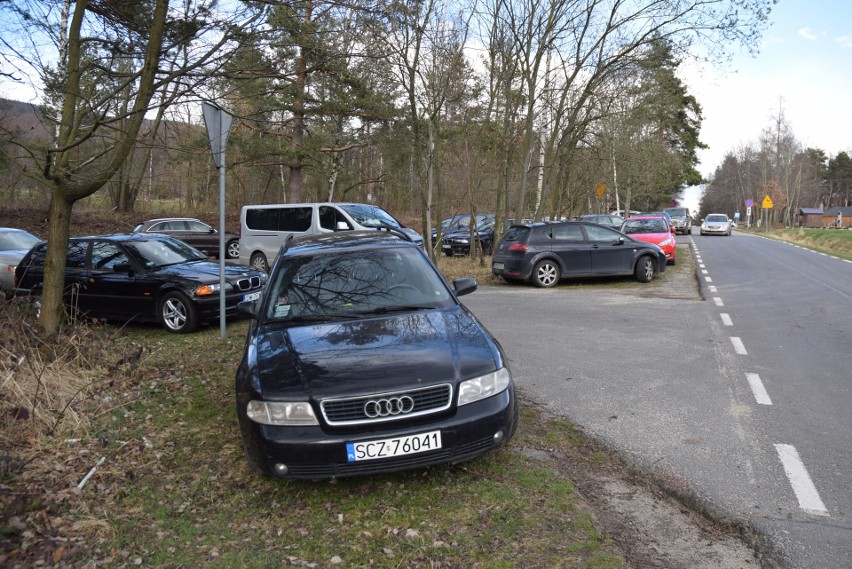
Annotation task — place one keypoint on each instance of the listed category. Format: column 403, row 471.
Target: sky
column 804, row 67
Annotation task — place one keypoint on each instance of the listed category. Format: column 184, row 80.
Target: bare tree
column 104, row 51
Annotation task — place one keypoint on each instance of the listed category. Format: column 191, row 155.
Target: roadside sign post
column 749, row 203
column 218, row 124
column 766, row 205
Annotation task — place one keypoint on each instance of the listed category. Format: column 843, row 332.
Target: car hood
column 403, row 350
column 651, row 237
column 205, row 271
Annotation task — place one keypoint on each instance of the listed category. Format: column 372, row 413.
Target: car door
column 572, row 248
column 200, row 235
column 116, row 287
column 609, row 253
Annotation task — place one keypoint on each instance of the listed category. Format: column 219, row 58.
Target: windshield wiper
column 324, row 317
column 398, row 308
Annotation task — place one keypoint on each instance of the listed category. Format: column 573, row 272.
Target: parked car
column 14, row 244
column 457, row 222
column 264, row 228
column 360, row 360
column 611, row 221
column 652, row 229
column 458, row 242
column 716, row 224
column 681, row 219
column 194, row 232
column 547, row 252
column 142, row 277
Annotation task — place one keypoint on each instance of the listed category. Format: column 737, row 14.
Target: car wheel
column 645, row 269
column 232, row 249
column 177, row 313
column 546, row 274
column 258, row 261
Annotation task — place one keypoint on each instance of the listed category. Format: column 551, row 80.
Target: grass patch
column 829, row 241
column 175, row 489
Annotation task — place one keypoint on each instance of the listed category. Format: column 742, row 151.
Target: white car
column 716, row 224
column 14, row 244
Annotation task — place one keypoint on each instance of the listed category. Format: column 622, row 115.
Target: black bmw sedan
column 143, row 278
column 360, row 359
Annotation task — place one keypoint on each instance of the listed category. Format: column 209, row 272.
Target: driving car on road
column 14, row 244
column 652, row 229
column 142, row 277
column 360, row 359
column 547, row 252
column 681, row 219
column 194, row 232
column 716, row 224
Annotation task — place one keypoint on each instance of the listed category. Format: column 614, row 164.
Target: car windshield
column 644, row 226
column 156, row 253
column 717, row 218
column 17, row 240
column 353, row 284
column 370, row 215
column 678, row 212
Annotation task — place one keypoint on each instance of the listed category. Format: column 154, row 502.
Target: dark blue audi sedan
column 360, row 359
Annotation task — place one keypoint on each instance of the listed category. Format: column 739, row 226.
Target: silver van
column 264, row 228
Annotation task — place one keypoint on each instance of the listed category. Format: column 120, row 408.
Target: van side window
column 264, row 219
column 295, row 219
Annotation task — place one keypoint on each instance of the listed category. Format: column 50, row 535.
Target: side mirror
column 342, row 226
column 122, row 268
column 464, row 286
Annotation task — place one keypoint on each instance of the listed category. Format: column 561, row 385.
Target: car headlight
column 207, row 290
column 298, row 413
column 666, row 243
column 484, row 386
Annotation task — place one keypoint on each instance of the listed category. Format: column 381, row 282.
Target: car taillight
column 518, row 247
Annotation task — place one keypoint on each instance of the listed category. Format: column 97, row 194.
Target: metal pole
column 222, row 327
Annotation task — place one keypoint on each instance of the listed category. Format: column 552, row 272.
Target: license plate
column 398, row 446
column 498, row 266
column 251, row 296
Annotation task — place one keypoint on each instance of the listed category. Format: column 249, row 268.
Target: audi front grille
column 393, row 406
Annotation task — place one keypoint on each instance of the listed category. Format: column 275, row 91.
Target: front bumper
column 320, row 452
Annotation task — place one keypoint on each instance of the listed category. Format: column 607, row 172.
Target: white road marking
column 701, row 265
column 704, row 271
column 718, row 301
column 760, row 394
column 800, row 480
column 726, row 319
column 713, row 289
column 739, row 347
column 708, row 279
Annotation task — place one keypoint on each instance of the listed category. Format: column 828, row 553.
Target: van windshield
column 370, row 215
column 678, row 212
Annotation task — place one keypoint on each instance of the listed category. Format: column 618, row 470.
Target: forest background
column 523, row 108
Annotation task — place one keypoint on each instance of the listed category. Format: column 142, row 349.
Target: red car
column 652, row 229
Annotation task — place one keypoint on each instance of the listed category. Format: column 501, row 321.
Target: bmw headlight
column 297, row 413
column 484, row 386
column 207, row 290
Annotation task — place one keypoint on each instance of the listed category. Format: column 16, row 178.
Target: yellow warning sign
column 599, row 190
column 767, row 203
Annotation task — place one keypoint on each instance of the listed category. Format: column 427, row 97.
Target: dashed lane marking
column 757, row 388
column 726, row 319
column 739, row 347
column 800, row 480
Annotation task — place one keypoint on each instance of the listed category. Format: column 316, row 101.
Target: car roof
column 346, row 240
column 125, row 237
column 171, row 219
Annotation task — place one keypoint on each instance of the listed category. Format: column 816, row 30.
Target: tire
column 545, row 274
column 232, row 249
column 177, row 313
column 645, row 270
column 259, row 262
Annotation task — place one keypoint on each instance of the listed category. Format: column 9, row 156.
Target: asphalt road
column 740, row 402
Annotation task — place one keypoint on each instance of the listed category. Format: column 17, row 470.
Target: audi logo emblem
column 388, row 406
